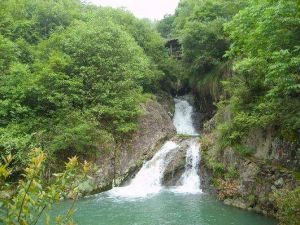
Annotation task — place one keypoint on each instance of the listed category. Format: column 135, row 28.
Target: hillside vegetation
column 244, row 54
column 73, row 76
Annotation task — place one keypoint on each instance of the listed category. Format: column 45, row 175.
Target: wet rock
column 228, row 201
column 238, row 202
column 206, row 180
column 176, row 164
column 167, row 102
column 175, row 169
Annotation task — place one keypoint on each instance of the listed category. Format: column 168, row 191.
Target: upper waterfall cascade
column 183, row 117
column 148, row 180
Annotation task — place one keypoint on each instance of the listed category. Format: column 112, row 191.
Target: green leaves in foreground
column 28, row 202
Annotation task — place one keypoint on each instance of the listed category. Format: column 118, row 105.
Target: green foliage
column 210, row 85
column 36, row 20
column 73, row 76
column 165, row 26
column 218, row 168
column 231, row 173
column 288, row 203
column 200, row 27
column 145, row 36
column 206, row 143
column 33, row 196
column 265, row 88
column 243, row 150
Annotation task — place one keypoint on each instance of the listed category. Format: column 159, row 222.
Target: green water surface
column 161, row 209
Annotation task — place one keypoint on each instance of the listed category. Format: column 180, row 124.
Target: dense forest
column 252, row 49
column 73, row 78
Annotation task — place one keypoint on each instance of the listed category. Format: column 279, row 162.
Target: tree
column 165, row 26
column 64, row 93
column 265, row 47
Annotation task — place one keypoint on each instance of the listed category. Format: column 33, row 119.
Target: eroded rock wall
column 251, row 181
column 155, row 127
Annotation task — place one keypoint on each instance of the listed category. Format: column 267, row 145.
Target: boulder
column 176, row 165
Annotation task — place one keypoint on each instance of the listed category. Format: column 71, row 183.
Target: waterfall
column 148, row 180
column 183, row 120
column 190, row 180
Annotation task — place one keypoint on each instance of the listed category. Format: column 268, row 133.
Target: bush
column 243, row 150
column 231, row 173
column 33, row 195
column 218, row 168
column 288, row 203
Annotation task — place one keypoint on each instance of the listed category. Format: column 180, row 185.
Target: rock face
column 247, row 182
column 268, row 146
column 176, row 165
column 155, row 127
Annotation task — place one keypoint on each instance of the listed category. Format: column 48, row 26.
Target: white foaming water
column 190, row 180
column 183, row 117
column 148, row 180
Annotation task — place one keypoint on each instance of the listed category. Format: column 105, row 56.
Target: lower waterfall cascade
column 190, row 180
column 148, row 180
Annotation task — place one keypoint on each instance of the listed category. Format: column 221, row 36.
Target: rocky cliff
column 260, row 181
column 155, row 126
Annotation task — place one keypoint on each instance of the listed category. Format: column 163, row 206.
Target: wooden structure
column 175, row 49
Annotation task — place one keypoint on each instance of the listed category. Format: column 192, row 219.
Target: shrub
column 288, row 203
column 243, row 150
column 33, row 195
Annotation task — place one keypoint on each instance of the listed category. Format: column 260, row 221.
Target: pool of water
column 161, row 209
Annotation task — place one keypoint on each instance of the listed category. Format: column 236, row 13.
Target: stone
column 248, row 174
column 279, row 183
column 228, row 201
column 176, row 165
column 257, row 209
column 239, row 203
column 273, row 188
